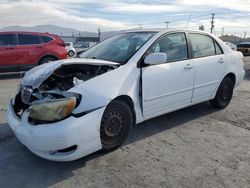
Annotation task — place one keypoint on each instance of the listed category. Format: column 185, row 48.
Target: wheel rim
column 46, row 60
column 112, row 127
column 226, row 93
column 71, row 53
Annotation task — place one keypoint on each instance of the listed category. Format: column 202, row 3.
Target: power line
column 188, row 21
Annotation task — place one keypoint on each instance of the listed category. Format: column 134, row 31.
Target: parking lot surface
column 194, row 147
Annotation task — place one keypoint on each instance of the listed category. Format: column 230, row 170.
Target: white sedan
column 70, row 108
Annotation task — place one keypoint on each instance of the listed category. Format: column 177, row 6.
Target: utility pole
column 212, row 23
column 140, row 26
column 222, row 32
column 245, row 33
column 167, row 24
column 99, row 34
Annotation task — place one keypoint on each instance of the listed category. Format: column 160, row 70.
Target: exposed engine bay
column 69, row 76
column 54, row 90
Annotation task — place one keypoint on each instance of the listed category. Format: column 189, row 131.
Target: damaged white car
column 70, row 108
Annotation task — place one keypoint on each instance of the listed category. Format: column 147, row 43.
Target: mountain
column 61, row 31
column 51, row 29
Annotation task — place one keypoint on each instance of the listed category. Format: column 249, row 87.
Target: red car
column 21, row 51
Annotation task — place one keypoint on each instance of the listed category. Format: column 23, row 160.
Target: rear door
column 169, row 86
column 209, row 62
column 8, row 56
column 29, row 50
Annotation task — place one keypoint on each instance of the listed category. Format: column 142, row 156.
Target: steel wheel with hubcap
column 115, row 125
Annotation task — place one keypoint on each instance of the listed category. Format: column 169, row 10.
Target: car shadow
column 247, row 75
column 30, row 170
column 168, row 121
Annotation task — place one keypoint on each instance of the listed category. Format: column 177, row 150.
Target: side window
column 27, row 39
column 218, row 49
column 46, row 39
column 174, row 45
column 202, row 45
column 7, row 39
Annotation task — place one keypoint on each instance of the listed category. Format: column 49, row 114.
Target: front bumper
column 46, row 139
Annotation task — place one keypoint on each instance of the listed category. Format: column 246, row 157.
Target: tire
column 71, row 53
column 113, row 135
column 224, row 94
column 46, row 60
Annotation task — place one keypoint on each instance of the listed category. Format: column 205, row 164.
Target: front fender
column 99, row 91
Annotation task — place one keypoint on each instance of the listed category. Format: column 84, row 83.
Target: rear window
column 26, row 39
column 244, row 45
column 46, row 39
column 7, row 39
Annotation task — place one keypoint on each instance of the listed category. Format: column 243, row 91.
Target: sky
column 109, row 15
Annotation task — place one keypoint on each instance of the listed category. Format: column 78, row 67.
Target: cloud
column 88, row 15
column 142, row 8
column 30, row 13
column 239, row 5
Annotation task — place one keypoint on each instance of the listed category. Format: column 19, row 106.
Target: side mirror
column 155, row 59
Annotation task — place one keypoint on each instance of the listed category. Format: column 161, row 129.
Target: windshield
column 119, row 48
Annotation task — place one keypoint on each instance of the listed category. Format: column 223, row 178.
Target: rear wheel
column 224, row 94
column 115, row 125
column 71, row 53
column 46, row 60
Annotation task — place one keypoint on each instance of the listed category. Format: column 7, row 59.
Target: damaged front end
column 44, row 91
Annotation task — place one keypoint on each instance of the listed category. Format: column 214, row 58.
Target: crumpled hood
column 39, row 74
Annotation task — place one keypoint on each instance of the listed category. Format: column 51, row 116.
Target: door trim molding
column 168, row 94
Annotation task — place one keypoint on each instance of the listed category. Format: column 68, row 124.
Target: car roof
column 244, row 43
column 162, row 30
column 25, row 32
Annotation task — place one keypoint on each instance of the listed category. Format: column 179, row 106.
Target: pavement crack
column 240, row 124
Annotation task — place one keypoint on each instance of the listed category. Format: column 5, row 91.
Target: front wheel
column 224, row 94
column 115, row 125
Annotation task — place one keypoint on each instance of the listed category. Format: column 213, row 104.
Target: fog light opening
column 68, row 150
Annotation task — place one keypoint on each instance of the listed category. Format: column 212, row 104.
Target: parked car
column 244, row 47
column 69, row 109
column 78, row 53
column 231, row 45
column 70, row 49
column 21, row 51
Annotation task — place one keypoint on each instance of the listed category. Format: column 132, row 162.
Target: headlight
column 53, row 110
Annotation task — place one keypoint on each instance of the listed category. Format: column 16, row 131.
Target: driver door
column 169, row 86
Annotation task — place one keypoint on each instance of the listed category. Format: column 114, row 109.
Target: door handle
column 221, row 61
column 10, row 48
column 188, row 66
